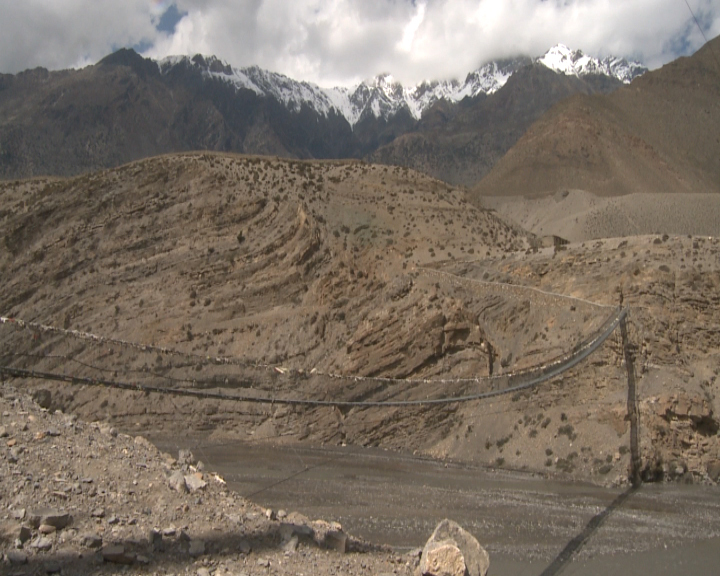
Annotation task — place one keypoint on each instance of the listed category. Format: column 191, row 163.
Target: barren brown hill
column 460, row 144
column 343, row 281
column 660, row 134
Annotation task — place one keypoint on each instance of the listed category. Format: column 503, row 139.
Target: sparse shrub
column 568, row 431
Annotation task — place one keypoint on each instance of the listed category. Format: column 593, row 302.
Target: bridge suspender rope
column 526, row 378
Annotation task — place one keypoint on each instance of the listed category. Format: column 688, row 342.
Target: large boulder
column 453, row 551
column 442, row 559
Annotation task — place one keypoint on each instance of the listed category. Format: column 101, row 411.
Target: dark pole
column 632, row 407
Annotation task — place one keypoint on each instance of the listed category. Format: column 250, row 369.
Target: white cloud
column 343, row 41
column 62, row 33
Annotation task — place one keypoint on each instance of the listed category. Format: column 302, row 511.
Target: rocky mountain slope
column 461, row 144
column 278, row 278
column 127, row 107
column 82, row 498
column 660, row 134
column 383, row 97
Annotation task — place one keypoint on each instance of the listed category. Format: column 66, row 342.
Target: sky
column 341, row 42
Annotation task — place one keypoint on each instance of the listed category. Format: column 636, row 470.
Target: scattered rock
column 195, row 482
column 17, row 557
column 117, row 554
column 91, row 541
column 50, row 517
column 105, row 428
column 203, row 572
column 186, row 458
column 46, row 529
column 43, row 398
column 290, row 545
column 155, row 538
column 713, row 470
column 177, row 482
column 330, row 535
column 25, row 534
column 41, row 543
column 17, row 514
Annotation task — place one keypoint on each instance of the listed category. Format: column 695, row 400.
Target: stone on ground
column 440, row 554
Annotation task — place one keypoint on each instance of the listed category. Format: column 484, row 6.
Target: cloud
column 65, row 33
column 343, row 41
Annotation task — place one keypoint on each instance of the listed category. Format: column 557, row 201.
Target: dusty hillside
column 660, row 134
column 84, row 499
column 577, row 215
column 311, row 280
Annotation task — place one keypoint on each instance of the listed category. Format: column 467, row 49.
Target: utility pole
column 632, row 407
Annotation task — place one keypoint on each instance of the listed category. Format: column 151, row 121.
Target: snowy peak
column 384, row 97
column 291, row 93
column 563, row 60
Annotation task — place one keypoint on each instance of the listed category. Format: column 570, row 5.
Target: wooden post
column 632, row 408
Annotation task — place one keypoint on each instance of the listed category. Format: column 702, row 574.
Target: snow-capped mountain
column 562, row 59
column 383, row 96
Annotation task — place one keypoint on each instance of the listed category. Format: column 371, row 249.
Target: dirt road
column 529, row 524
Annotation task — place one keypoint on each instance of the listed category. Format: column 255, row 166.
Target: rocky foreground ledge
column 80, row 498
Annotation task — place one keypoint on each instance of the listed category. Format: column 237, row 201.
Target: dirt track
column 524, row 521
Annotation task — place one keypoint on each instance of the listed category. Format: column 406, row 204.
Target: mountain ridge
column 658, row 135
column 383, row 96
column 127, row 107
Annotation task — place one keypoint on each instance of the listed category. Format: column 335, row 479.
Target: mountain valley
column 515, row 277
